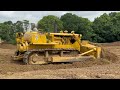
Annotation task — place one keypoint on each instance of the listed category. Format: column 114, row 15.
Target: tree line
column 9, row 29
column 105, row 28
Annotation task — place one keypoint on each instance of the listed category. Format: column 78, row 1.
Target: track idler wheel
column 34, row 58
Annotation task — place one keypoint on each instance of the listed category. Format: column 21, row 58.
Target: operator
column 35, row 29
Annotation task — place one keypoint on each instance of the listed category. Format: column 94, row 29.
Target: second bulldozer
column 34, row 47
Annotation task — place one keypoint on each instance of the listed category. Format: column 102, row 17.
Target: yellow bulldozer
column 34, row 47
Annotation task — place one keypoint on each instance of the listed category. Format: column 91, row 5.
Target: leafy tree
column 70, row 22
column 9, row 29
column 18, row 26
column 8, row 23
column 115, row 19
column 85, row 29
column 47, row 23
column 25, row 25
column 78, row 24
column 101, row 27
column 106, row 27
column 6, row 31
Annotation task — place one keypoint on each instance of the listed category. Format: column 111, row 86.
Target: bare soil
column 107, row 67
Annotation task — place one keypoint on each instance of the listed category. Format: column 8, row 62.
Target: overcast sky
column 34, row 16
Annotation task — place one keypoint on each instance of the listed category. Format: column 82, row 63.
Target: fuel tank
column 35, row 37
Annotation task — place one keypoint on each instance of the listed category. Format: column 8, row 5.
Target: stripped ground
column 103, row 68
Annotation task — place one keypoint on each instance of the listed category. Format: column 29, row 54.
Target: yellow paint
column 36, row 40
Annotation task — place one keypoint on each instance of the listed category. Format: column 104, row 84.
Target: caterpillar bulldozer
column 34, row 47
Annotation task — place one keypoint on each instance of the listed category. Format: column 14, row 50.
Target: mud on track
column 7, row 65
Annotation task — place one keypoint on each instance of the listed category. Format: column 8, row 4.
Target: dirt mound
column 106, row 54
column 7, row 46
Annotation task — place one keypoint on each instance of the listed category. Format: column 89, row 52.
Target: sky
column 35, row 16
